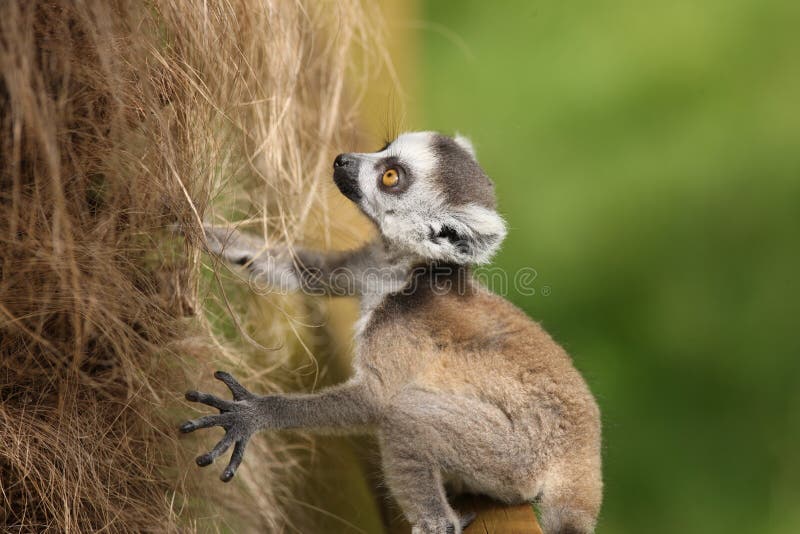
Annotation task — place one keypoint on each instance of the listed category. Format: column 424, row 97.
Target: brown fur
column 497, row 402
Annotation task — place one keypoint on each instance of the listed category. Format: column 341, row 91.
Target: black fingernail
column 226, row 475
column 192, row 396
column 188, row 426
column 204, row 460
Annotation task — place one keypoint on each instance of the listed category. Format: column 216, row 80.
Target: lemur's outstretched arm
column 317, row 273
column 347, row 406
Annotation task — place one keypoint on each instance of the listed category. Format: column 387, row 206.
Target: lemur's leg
column 571, row 497
column 412, row 468
column 416, row 482
column 346, row 406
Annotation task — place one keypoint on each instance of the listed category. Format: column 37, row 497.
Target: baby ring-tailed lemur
column 462, row 389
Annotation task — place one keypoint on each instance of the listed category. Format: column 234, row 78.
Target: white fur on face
column 413, row 218
column 415, row 152
column 481, row 232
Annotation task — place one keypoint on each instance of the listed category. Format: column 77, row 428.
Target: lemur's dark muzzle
column 345, row 176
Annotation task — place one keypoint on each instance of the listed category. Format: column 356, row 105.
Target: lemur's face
column 427, row 193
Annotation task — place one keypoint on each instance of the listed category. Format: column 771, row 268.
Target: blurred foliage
column 647, row 158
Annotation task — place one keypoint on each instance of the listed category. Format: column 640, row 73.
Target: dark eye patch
column 388, row 163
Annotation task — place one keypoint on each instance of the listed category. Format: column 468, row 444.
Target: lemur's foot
column 467, row 519
column 443, row 525
column 239, row 418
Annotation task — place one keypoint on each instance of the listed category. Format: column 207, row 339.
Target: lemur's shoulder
column 445, row 307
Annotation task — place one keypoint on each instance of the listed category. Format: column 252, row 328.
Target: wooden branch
column 496, row 518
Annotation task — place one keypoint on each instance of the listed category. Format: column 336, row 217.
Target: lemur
column 463, row 390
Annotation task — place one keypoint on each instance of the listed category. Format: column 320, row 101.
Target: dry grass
column 119, row 119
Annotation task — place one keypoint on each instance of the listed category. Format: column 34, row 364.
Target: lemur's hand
column 241, row 418
column 233, row 245
column 270, row 266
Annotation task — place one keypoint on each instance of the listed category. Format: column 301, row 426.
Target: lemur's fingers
column 210, row 400
column 209, row 457
column 238, row 390
column 236, row 460
column 206, row 421
column 222, row 234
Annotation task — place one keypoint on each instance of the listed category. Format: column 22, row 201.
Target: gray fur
column 460, row 177
column 463, row 390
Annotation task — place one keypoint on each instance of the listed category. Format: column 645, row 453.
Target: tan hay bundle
column 118, row 119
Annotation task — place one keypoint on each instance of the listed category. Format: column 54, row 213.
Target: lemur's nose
column 343, row 160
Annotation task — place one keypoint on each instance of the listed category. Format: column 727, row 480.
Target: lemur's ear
column 470, row 235
column 466, row 144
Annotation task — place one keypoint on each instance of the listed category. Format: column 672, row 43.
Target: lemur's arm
column 346, row 406
column 332, row 273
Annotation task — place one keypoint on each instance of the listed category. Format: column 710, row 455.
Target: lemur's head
column 427, row 194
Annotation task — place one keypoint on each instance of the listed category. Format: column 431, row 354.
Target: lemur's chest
column 400, row 333
column 390, row 343
column 370, row 302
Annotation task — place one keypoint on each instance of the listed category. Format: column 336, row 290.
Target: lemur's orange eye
column 390, row 178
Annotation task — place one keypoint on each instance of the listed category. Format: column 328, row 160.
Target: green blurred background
column 647, row 158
